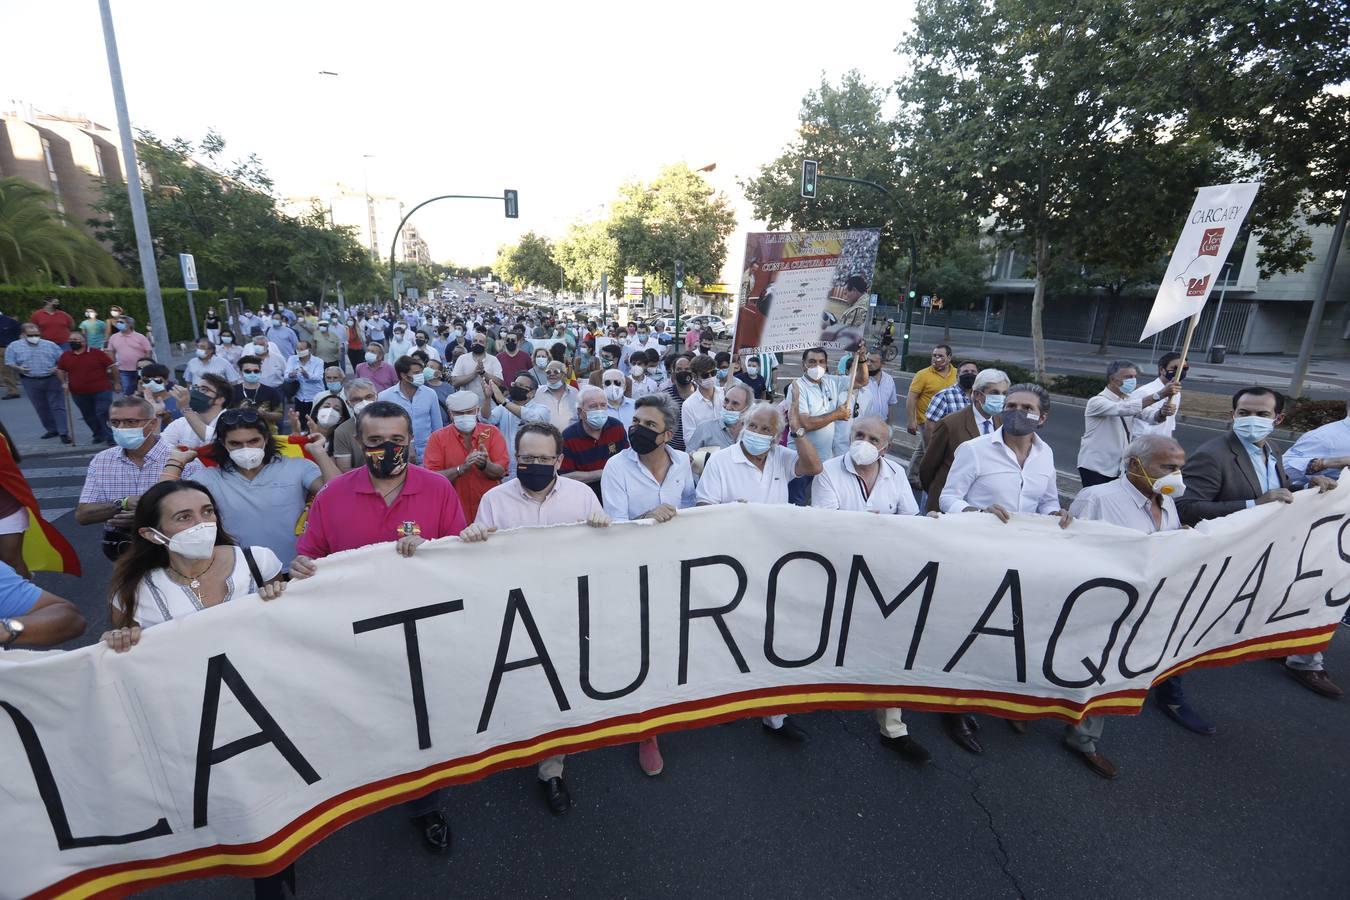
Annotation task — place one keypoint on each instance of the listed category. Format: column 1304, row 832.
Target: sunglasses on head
column 246, row 415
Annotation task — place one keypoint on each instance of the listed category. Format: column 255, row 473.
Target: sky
column 561, row 101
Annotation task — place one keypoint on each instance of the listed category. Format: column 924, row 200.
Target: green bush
column 1077, row 385
column 1303, row 414
column 20, row 301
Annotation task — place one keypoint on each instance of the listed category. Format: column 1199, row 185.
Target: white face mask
column 370, row 359
column 613, row 392
column 197, row 542
column 863, row 453
column 465, row 422
column 815, row 373
column 328, row 417
column 357, row 407
column 708, row 383
column 1170, row 485
column 247, row 457
column 639, row 371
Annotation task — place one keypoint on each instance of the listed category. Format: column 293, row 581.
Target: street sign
column 873, row 301
column 632, row 288
column 189, row 266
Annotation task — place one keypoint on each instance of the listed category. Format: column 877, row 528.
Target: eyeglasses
column 536, row 460
column 247, row 415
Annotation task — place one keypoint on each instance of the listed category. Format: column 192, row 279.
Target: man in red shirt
column 472, row 454
column 386, row 500
column 53, row 324
column 592, row 440
column 88, row 375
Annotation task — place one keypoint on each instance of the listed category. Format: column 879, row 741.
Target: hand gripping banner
column 231, row 741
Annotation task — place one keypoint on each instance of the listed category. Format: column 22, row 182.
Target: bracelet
column 172, row 463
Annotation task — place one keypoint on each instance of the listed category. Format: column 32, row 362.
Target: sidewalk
column 1326, row 376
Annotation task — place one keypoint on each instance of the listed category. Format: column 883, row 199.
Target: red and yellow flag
column 44, row 549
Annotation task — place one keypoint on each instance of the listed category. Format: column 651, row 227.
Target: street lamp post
column 154, row 301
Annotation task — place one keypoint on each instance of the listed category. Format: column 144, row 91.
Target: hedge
column 20, row 301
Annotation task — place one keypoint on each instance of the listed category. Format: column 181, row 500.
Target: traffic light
column 809, row 167
column 679, row 275
column 512, row 199
column 913, row 294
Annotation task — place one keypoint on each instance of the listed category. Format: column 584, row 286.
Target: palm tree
column 40, row 246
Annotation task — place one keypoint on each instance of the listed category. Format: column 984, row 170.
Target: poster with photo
column 805, row 289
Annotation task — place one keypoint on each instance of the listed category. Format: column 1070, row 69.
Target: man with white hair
column 1140, row 499
column 757, row 470
column 614, row 384
column 592, row 440
column 725, row 430
column 1108, row 418
column 864, row 480
column 979, row 417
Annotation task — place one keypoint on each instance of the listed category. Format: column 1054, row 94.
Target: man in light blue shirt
column 1322, row 451
column 419, row 400
column 307, row 369
column 281, row 334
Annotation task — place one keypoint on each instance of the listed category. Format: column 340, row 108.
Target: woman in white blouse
column 180, row 561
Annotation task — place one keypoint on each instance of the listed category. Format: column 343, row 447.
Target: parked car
column 714, row 325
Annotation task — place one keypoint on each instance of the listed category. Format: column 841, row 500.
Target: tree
column 587, row 252
column 676, row 217
column 39, row 246
column 530, row 262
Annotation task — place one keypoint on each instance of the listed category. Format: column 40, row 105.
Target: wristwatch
column 800, row 432
column 13, row 630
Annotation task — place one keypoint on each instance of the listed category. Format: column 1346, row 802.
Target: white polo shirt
column 985, row 472
column 697, row 409
column 629, row 489
column 1149, row 422
column 839, row 486
column 1120, row 503
column 730, row 476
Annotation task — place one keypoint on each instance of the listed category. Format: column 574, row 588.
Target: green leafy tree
column 531, row 263
column 39, row 246
column 678, row 216
column 587, row 252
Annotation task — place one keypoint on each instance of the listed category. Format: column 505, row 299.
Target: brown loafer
column 1099, row 764
column 1316, row 681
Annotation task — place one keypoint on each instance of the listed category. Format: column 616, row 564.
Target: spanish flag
column 293, row 445
column 44, row 549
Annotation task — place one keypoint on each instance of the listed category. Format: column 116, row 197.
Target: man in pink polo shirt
column 387, row 500
column 537, row 496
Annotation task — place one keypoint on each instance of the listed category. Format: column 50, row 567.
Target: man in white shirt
column 1008, row 471
column 1322, row 451
column 207, row 360
column 725, row 430
column 613, row 383
column 643, row 340
column 864, row 480
column 1109, row 418
column 472, row 367
column 705, row 404
column 1140, row 499
column 757, row 469
column 640, row 383
column 1154, row 420
column 878, row 397
column 270, row 359
column 820, row 404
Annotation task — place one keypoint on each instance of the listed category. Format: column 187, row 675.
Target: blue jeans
column 128, row 381
column 49, row 401
column 94, row 410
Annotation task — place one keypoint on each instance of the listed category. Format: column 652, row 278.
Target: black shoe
column 435, row 830
column 12, row 396
column 67, row 439
column 907, row 747
column 556, row 796
column 790, row 731
column 50, row 434
column 962, row 730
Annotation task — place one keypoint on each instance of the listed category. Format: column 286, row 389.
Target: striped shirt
column 945, row 402
column 112, row 474
column 40, row 358
column 583, row 453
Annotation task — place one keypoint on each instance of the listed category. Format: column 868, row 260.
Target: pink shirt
column 130, row 347
column 508, row 506
column 382, row 376
column 349, row 513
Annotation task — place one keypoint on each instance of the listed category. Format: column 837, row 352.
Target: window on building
column 51, row 176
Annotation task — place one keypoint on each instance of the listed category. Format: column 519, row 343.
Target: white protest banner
column 805, row 289
column 1211, row 228
column 230, row 741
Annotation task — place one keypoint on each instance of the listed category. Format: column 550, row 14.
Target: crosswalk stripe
column 54, row 493
column 57, row 472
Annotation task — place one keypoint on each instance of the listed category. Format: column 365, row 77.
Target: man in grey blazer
column 1242, row 469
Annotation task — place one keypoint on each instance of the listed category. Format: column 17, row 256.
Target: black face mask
column 198, row 402
column 536, row 476
column 478, row 349
column 684, row 377
column 643, row 439
column 518, row 394
column 967, row 380
column 385, row 460
column 76, row 347
column 511, row 345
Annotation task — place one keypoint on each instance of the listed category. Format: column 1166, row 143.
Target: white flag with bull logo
column 1212, row 226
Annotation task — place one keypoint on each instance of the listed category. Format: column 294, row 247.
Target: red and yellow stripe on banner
column 270, row 855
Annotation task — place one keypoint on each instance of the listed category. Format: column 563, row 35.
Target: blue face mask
column 333, row 386
column 128, row 438
column 755, row 443
column 1253, row 428
column 597, row 418
column 253, row 377
column 730, row 417
column 993, row 404
column 419, row 379
column 1128, row 385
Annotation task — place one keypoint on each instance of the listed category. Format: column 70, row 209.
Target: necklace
column 194, row 581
